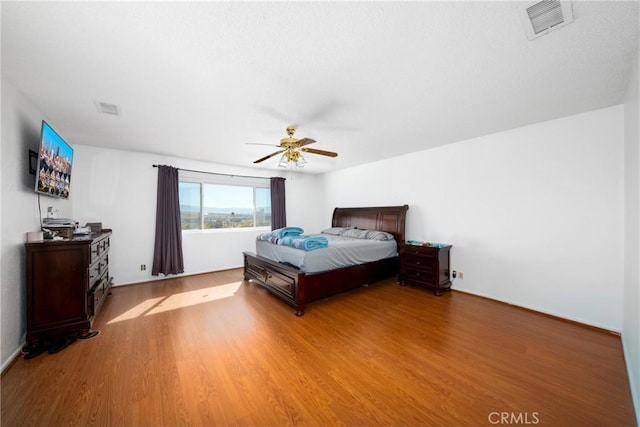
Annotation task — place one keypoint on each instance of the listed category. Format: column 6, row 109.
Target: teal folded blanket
column 280, row 233
column 307, row 243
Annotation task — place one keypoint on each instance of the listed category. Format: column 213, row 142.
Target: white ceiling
column 370, row 80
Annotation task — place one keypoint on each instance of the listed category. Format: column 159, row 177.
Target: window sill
column 228, row 230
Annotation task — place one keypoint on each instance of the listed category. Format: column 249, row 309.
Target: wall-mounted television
column 55, row 158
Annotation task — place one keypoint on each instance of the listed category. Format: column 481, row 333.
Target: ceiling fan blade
column 258, row 143
column 269, row 156
column 321, row 152
column 305, row 141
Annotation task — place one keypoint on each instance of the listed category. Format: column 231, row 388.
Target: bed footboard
column 297, row 288
column 281, row 280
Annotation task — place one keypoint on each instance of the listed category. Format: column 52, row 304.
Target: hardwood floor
column 213, row 350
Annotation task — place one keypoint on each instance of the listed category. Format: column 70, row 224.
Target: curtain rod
column 223, row 174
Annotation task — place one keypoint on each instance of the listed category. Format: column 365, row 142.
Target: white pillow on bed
column 367, row 234
column 336, row 231
column 355, row 233
column 379, row 235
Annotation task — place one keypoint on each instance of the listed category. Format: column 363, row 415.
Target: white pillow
column 355, row 233
column 335, row 231
column 378, row 235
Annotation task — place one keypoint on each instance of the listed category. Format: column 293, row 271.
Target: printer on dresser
column 67, row 282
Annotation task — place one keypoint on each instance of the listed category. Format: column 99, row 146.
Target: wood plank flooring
column 212, row 350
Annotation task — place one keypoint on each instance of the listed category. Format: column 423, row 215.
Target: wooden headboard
column 384, row 218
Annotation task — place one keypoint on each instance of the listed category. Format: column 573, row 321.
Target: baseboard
column 175, row 276
column 550, row 315
column 11, row 360
column 635, row 393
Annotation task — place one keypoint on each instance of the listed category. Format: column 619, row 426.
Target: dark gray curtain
column 167, row 254
column 278, row 205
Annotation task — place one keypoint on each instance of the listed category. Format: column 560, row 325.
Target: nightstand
column 425, row 266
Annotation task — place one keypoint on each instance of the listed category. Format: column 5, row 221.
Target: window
column 210, row 204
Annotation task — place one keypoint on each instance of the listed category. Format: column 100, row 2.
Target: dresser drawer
column 105, row 244
column 97, row 294
column 98, row 249
column 103, row 264
column 94, row 274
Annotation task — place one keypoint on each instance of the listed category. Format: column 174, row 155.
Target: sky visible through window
column 222, row 196
column 226, row 197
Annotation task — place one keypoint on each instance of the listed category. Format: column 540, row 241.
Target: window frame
column 224, row 180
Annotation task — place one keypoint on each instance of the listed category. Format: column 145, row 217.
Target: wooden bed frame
column 297, row 288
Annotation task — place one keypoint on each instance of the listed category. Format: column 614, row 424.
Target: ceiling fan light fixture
column 284, row 162
column 292, row 148
column 301, row 162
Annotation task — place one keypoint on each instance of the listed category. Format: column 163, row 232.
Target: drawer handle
column 417, row 262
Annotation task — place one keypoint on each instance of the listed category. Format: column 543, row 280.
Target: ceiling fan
column 292, row 149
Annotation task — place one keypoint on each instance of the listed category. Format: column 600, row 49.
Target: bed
column 297, row 287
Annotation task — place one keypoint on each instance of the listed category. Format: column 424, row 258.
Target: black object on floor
column 89, row 335
column 35, row 349
column 60, row 343
column 53, row 344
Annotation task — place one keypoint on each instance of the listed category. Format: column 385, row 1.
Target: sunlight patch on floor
column 138, row 310
column 198, row 296
column 179, row 300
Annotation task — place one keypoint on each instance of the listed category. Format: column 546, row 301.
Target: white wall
column 534, row 214
column 118, row 188
column 631, row 325
column 20, row 133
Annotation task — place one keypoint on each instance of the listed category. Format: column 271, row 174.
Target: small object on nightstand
column 437, row 245
column 427, row 244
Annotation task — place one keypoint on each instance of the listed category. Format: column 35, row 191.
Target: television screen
column 55, row 156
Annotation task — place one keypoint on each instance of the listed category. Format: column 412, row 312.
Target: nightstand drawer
column 423, row 275
column 419, row 252
column 419, row 261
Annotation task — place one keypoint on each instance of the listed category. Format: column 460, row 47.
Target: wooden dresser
column 67, row 282
column 425, row 266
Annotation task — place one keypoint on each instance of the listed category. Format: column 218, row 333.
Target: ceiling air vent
column 545, row 16
column 106, row 108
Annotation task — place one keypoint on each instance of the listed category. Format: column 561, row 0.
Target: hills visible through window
column 214, row 206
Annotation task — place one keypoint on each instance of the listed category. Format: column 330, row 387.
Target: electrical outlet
column 454, row 274
column 460, row 275
column 143, row 267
